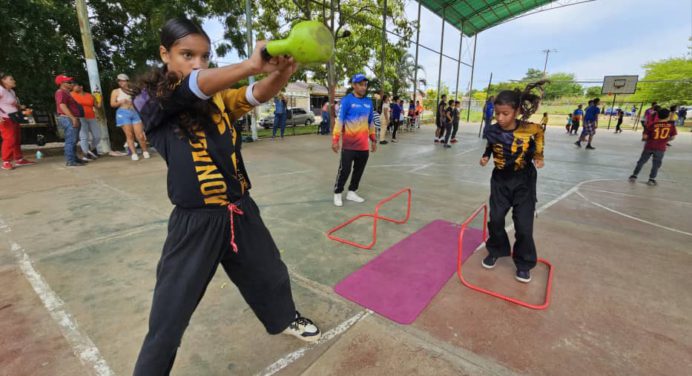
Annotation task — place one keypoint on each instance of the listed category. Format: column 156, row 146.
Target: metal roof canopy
column 473, row 16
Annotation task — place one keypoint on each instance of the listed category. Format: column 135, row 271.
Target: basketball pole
column 612, row 108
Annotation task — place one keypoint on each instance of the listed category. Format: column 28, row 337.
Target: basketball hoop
column 614, row 85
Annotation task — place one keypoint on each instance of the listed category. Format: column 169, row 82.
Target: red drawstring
column 233, row 209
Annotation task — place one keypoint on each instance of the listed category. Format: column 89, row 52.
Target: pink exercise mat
column 401, row 282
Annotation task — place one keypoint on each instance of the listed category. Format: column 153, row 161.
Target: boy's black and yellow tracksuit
column 513, row 186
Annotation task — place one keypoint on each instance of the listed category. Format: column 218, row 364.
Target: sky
column 603, row 37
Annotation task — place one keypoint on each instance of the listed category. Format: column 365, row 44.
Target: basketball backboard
column 619, row 84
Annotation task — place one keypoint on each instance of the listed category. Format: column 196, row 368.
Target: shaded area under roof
column 474, row 16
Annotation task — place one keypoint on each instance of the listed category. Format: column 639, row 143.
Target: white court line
column 292, row 357
column 634, row 218
column 420, row 167
column 464, row 152
column 82, row 346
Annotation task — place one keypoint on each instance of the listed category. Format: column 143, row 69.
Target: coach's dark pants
column 658, row 161
column 575, row 126
column 514, row 190
column 357, row 158
column 198, row 240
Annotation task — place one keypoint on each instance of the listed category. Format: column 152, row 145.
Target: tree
column 405, row 69
column 675, row 82
column 533, row 75
column 44, row 38
column 562, row 85
column 593, row 91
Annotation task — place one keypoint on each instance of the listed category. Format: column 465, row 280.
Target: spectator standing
column 127, row 119
column 456, row 111
column 396, row 117
column 488, row 113
column 279, row 116
column 385, row 118
column 419, row 113
column 88, row 121
column 439, row 118
column 10, row 129
column 324, row 124
column 69, row 113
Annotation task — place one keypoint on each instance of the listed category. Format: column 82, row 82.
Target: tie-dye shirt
column 355, row 123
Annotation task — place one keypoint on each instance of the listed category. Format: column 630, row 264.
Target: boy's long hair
column 524, row 100
column 160, row 83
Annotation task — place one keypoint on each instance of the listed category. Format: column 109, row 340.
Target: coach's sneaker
column 489, row 262
column 454, row 141
column 633, row 178
column 337, row 200
column 135, row 157
column 589, row 147
column 578, row 143
column 384, row 142
column 651, row 182
column 6, row 165
column 146, row 155
column 523, row 276
column 304, row 329
column 353, row 196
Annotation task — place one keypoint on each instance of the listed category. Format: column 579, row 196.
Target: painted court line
column 82, row 346
column 632, row 217
column 292, row 357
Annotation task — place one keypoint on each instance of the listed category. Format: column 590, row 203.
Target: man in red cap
column 69, row 113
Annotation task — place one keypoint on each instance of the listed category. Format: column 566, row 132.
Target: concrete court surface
column 79, row 247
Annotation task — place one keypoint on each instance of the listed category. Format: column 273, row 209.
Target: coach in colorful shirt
column 356, row 129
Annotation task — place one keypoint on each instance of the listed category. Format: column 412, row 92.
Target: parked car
column 295, row 117
column 614, row 111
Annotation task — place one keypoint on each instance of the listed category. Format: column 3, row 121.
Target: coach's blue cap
column 358, row 78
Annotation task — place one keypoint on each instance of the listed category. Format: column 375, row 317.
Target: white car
column 295, row 117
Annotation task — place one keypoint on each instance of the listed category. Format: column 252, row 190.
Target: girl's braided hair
column 524, row 100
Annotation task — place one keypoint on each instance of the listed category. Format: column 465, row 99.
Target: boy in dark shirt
column 516, row 146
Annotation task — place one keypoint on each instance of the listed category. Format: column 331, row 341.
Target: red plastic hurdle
column 375, row 217
column 522, row 303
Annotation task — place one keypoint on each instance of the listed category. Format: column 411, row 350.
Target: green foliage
column 593, row 91
column 430, row 100
column 43, row 39
column 359, row 52
column 678, row 92
column 562, row 85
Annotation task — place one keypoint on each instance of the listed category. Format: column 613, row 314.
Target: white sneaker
column 146, row 155
column 353, row 196
column 337, row 199
column 304, row 329
column 135, row 157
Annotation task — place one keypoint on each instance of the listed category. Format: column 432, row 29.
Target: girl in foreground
column 188, row 112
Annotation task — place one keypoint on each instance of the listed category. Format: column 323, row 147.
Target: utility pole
column 93, row 73
column 547, row 53
column 251, row 79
